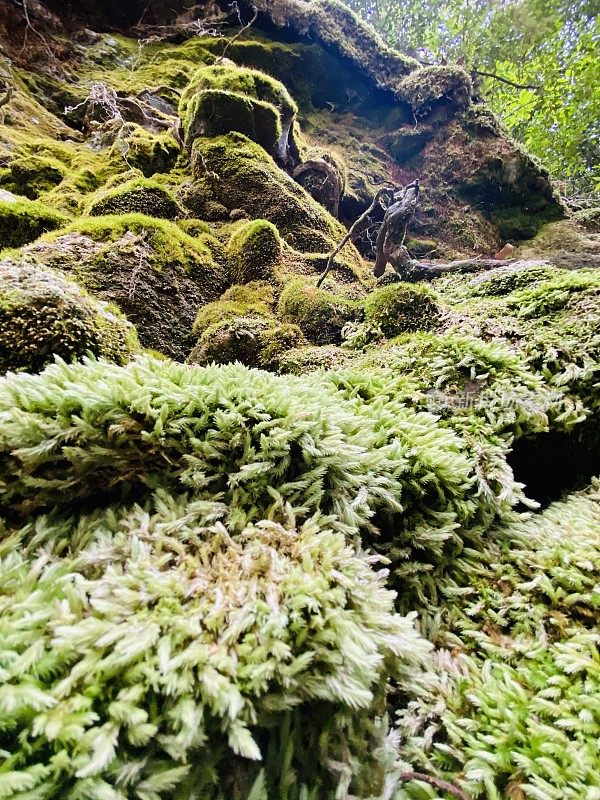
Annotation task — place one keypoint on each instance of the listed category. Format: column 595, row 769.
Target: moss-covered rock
column 402, row 308
column 426, row 87
column 32, row 175
column 136, row 196
column 254, row 252
column 249, row 300
column 23, row 220
column 148, row 152
column 319, row 314
column 239, row 174
column 228, row 98
column 157, row 274
column 42, row 315
column 253, row 340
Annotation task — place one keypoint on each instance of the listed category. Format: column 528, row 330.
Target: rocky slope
column 362, row 560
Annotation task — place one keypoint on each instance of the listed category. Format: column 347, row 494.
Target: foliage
column 23, row 220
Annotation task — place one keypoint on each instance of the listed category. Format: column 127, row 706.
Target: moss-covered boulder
column 319, row 314
column 248, row 300
column 136, row 196
column 32, row 175
column 238, row 173
column 257, row 341
column 23, row 220
column 255, row 251
column 156, row 274
column 146, row 151
column 43, row 315
column 220, row 99
column 402, row 308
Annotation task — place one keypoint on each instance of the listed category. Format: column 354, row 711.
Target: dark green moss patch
column 320, row 315
column 402, row 308
column 254, row 251
column 23, row 220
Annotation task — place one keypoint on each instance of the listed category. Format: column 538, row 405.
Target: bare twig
column 530, row 86
column 386, row 190
column 238, row 34
column 445, row 786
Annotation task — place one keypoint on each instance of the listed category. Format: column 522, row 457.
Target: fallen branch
column 411, row 270
column 437, row 782
column 386, row 190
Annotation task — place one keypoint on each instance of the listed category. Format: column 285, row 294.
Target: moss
column 157, row 274
column 239, row 174
column 422, row 89
column 33, row 175
column 515, row 223
column 44, row 315
column 212, row 113
column 589, row 218
column 149, row 152
column 302, row 360
column 140, row 195
column 169, row 243
column 253, row 339
column 319, row 315
column 254, row 251
column 505, row 280
column 402, row 308
column 23, row 220
column 194, row 227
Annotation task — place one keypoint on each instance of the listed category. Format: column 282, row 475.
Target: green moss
column 23, row 220
column 33, row 175
column 589, row 218
column 505, row 280
column 239, row 174
column 320, row 315
column 226, row 310
column 137, row 196
column 43, row 315
column 422, row 89
column 194, row 227
column 402, row 308
column 169, row 243
column 158, row 275
column 149, row 152
column 302, row 360
column 253, row 339
column 254, row 251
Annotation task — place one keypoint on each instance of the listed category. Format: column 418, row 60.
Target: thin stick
column 439, row 784
column 352, row 232
column 238, row 34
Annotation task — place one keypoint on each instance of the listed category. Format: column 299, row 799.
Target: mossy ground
column 191, row 599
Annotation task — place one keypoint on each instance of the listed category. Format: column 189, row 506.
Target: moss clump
column 509, row 705
column 302, row 360
column 239, row 174
column 137, row 196
column 255, row 300
column 402, row 308
column 221, row 99
column 589, row 218
column 253, row 340
column 23, row 220
column 505, row 280
column 212, row 113
column 254, row 251
column 148, row 152
column 43, row 315
column 424, row 88
column 32, row 175
column 320, row 315
column 194, row 227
